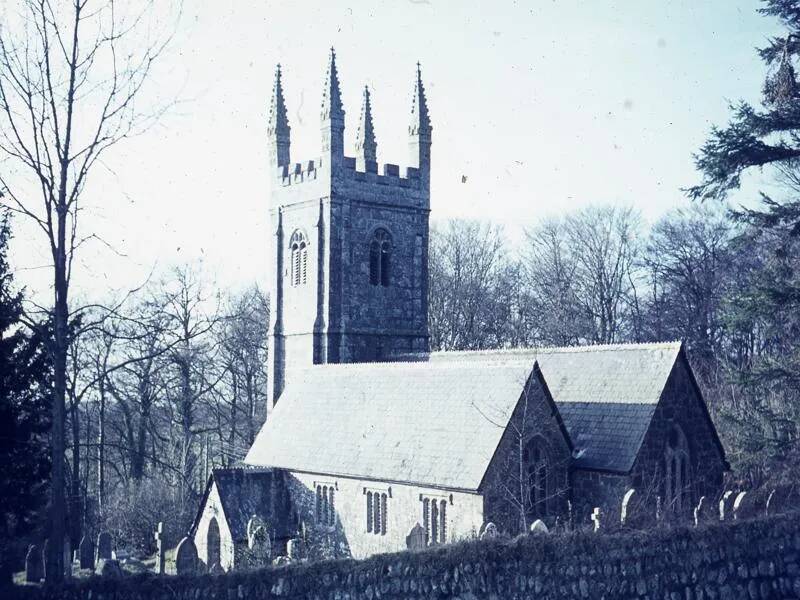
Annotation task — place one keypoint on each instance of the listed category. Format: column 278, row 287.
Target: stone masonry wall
column 747, row 559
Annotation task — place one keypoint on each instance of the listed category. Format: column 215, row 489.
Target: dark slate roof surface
column 606, row 394
column 435, row 421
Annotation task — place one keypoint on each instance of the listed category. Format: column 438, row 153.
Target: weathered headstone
column 737, row 504
column 725, row 505
column 86, row 553
column 161, row 550
column 108, row 567
column 626, row 500
column 186, row 561
column 489, row 531
column 597, row 515
column 254, row 523
column 104, row 546
column 415, row 540
column 538, row 527
column 34, row 565
column 783, row 499
column 698, row 511
column 260, row 547
column 768, row 504
column 295, row 549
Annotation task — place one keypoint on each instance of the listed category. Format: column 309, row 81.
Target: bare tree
column 466, row 258
column 605, row 244
column 69, row 80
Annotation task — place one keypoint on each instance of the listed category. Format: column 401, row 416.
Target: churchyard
column 104, row 558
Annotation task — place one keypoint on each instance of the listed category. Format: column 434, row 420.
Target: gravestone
column 161, row 550
column 415, row 540
column 254, row 523
column 597, row 515
column 260, row 547
column 34, row 566
column 295, row 549
column 538, row 527
column 751, row 505
column 737, row 504
column 108, row 567
column 700, row 512
column 725, row 505
column 186, row 562
column 781, row 500
column 104, row 546
column 86, row 553
column 489, row 531
column 626, row 500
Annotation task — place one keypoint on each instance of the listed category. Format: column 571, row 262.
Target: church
column 370, row 435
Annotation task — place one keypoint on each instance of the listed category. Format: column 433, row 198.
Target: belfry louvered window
column 298, row 259
column 380, row 254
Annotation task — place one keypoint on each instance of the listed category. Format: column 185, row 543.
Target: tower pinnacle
column 420, row 119
column 332, row 97
column 419, row 132
column 366, row 146
column 278, row 128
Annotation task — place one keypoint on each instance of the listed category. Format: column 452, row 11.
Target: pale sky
column 542, row 106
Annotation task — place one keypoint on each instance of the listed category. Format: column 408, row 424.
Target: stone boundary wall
column 748, row 559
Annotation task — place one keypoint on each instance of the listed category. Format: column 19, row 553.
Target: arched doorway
column 213, row 544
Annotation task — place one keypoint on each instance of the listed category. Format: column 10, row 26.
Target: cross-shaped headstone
column 160, row 553
column 596, row 516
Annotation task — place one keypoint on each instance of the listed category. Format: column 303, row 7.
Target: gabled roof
column 606, row 395
column 243, row 492
column 430, row 423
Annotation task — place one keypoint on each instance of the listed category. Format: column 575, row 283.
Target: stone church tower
column 349, row 242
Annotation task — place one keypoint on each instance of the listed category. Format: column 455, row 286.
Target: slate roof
column 244, row 492
column 425, row 421
column 435, row 424
column 606, row 394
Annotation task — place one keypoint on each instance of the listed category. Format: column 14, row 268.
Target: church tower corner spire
column 278, row 128
column 419, row 130
column 366, row 145
column 332, row 113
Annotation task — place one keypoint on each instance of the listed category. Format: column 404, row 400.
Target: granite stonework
column 336, row 204
column 535, row 421
column 680, row 404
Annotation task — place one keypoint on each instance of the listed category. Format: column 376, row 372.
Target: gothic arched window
column 677, row 470
column 380, row 253
column 537, row 469
column 298, row 258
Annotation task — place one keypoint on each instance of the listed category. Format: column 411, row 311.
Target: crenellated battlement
column 333, row 167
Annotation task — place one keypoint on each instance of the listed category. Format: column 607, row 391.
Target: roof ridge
column 551, row 349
